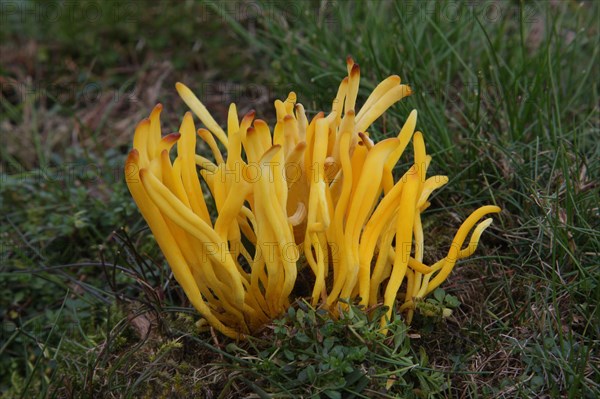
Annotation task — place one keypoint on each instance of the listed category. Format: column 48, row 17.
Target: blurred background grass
column 507, row 94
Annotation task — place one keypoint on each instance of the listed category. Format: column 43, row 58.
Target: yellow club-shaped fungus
column 237, row 225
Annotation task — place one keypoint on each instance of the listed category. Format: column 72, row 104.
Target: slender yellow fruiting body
column 366, row 191
column 455, row 251
column 404, row 235
column 381, row 89
column 200, row 110
column 170, row 248
column 319, row 195
column 154, row 135
column 353, row 82
column 394, row 95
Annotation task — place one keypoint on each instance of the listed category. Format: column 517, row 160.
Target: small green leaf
column 311, row 373
column 328, row 343
column 452, row 301
column 289, row 355
column 333, row 394
column 439, row 294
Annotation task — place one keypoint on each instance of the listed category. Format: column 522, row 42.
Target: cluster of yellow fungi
column 318, row 194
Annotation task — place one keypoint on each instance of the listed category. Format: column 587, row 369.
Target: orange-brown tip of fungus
column 202, row 131
column 250, row 115
column 133, row 156
column 143, row 122
column 143, row 172
column 156, row 111
column 355, row 70
column 171, row 137
column 288, row 118
column 345, row 80
column 409, row 90
column 318, row 116
column 251, row 130
column 350, row 112
column 349, row 60
column 179, row 86
column 300, row 146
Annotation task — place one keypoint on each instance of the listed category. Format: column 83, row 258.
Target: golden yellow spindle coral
column 200, row 110
column 455, row 252
column 367, row 188
column 186, row 151
column 353, row 82
column 279, row 247
column 337, row 237
column 318, row 218
column 421, row 164
column 404, row 237
column 318, row 194
column 168, row 244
